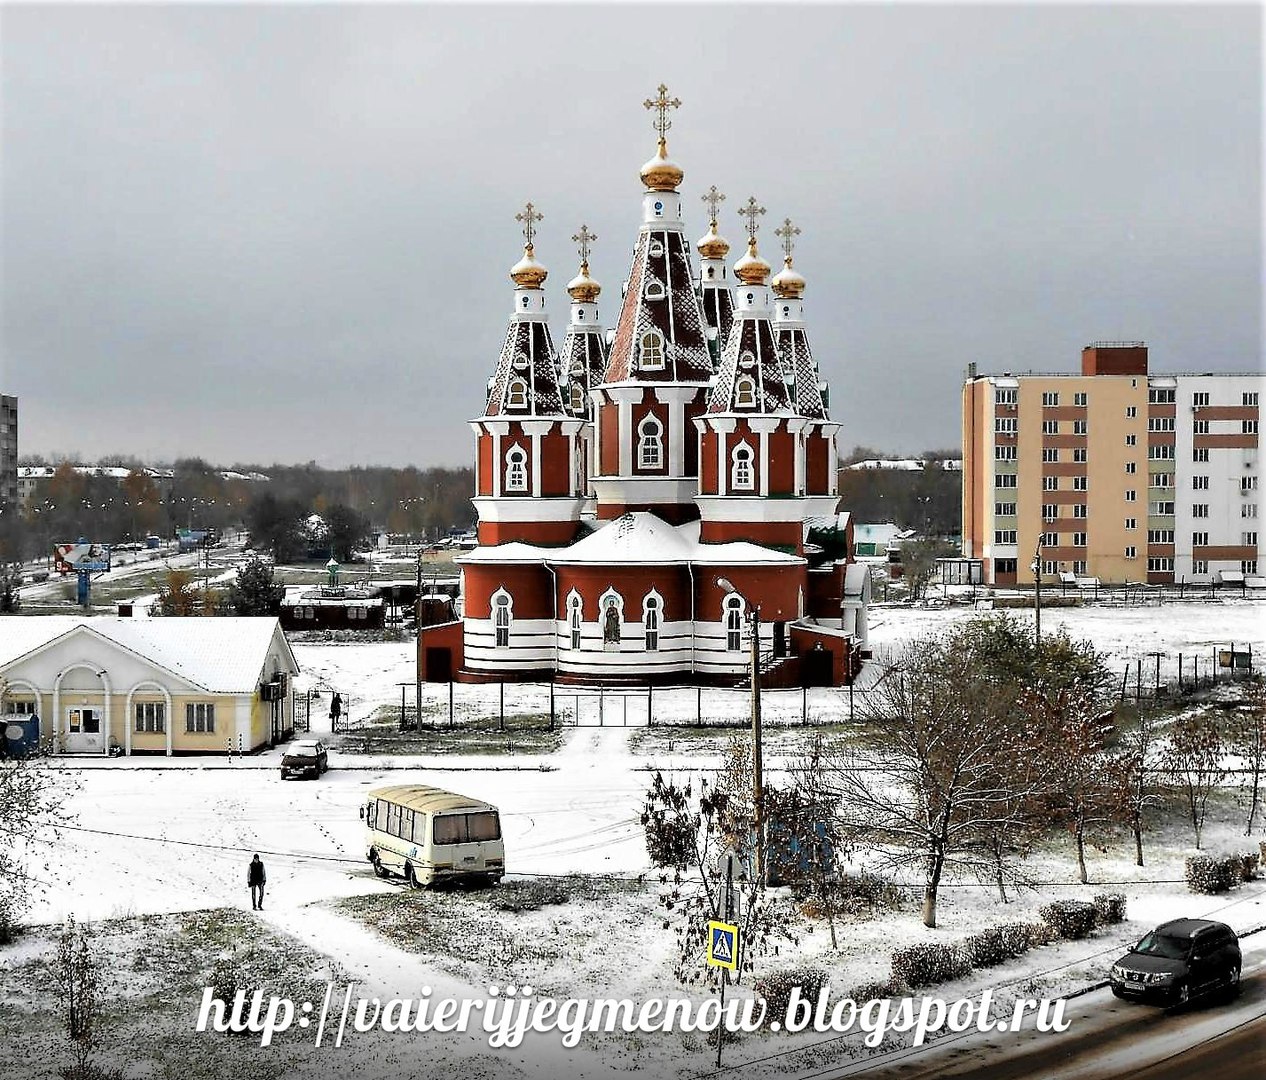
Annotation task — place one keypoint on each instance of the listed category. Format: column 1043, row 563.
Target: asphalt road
column 1112, row 1040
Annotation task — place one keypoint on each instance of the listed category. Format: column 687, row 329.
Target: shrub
column 874, row 991
column 1213, row 873
column 996, row 945
column 924, row 965
column 1070, row 919
column 775, row 989
column 1249, row 863
column 1110, row 908
column 1261, row 847
column 528, row 895
column 1039, row 934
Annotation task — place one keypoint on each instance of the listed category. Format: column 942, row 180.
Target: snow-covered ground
column 152, row 837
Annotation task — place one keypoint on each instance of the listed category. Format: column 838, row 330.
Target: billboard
column 68, row 558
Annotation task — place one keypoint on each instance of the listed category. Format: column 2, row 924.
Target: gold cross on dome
column 529, row 217
column 714, row 199
column 751, row 211
column 661, row 105
column 584, row 238
column 787, row 234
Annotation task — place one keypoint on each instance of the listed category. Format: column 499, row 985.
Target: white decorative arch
column 745, row 392
column 575, row 605
column 34, row 691
column 650, row 352
column 650, row 443
column 516, row 469
column 516, row 394
column 742, row 467
column 146, row 685
column 652, row 619
column 108, row 693
column 609, row 603
column 733, row 609
column 502, row 617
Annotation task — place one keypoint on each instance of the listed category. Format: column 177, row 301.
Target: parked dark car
column 307, row 757
column 1180, row 961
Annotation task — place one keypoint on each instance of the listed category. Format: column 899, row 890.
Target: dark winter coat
column 255, row 873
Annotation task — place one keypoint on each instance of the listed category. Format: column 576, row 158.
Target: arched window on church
column 742, row 475
column 654, row 290
column 516, row 394
column 575, row 616
column 745, row 393
column 650, row 443
column 712, row 271
column 733, row 623
column 577, row 398
column 516, row 469
column 652, row 610
column 651, row 351
column 502, row 615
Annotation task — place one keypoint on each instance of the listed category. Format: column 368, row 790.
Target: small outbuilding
column 109, row 685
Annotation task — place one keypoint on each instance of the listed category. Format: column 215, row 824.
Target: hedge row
column 1218, row 873
column 1070, row 919
column 928, row 963
column 775, row 988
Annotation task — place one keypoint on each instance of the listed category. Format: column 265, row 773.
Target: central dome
column 660, row 173
column 527, row 272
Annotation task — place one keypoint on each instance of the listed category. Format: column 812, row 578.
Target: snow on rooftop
column 220, row 655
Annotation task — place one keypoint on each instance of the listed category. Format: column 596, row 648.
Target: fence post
column 551, row 704
column 1158, row 658
column 804, row 705
column 1180, row 673
column 502, row 687
column 1124, row 677
column 1138, row 681
column 450, row 702
column 601, row 704
column 698, row 706
column 650, row 706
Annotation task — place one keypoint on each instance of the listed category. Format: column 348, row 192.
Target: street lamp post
column 1036, row 567
column 758, row 765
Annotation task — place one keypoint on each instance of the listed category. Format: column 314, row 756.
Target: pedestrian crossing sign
column 723, row 945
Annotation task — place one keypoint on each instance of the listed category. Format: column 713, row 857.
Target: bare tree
column 1194, row 758
column 1248, row 742
column 80, row 992
column 1130, row 772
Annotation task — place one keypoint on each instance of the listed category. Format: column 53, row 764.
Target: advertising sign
column 68, row 558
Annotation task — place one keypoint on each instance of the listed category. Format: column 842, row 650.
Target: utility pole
column 1036, row 567
column 758, row 766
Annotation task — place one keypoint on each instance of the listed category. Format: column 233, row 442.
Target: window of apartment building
column 1199, row 566
column 1050, row 399
column 1131, row 412
column 1004, row 397
column 1199, row 539
column 1050, row 566
column 1249, row 397
column 1199, row 399
column 1050, row 539
column 1160, row 423
column 1248, row 427
column 1050, row 455
column 1050, row 511
column 1248, row 566
column 1131, row 552
column 1004, row 566
column 1160, row 565
column 1079, row 427
column 1079, row 510
column 1200, row 483
column 1080, row 483
column 1131, row 440
column 1248, row 510
column 1161, row 396
column 1131, row 468
column 1160, row 509
column 1200, row 510
column 1006, row 480
column 1004, row 509
column 1079, row 455
column 1079, row 539
column 1079, row 399
column 1005, row 425
column 1050, row 483
column 1164, row 452
column 1131, row 523
column 1160, row 536
column 1162, row 480
column 1199, row 454
column 1200, row 427
column 1004, row 453
column 1050, row 427
column 1079, row 566
column 1131, row 495
column 200, row 717
column 1248, row 483
column 1004, row 536
column 1248, row 539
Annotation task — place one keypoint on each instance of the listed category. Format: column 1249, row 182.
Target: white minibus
column 426, row 835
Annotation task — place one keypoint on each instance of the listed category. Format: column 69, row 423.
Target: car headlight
column 1159, row 976
column 1118, row 972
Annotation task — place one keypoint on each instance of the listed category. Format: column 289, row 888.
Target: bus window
column 450, row 828
column 483, row 826
column 406, row 824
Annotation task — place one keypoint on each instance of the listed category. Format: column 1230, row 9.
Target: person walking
column 256, row 878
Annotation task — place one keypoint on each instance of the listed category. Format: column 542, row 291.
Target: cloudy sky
column 281, row 233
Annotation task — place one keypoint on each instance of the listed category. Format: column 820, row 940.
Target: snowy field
column 150, row 840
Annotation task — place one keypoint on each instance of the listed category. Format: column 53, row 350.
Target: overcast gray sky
column 281, row 233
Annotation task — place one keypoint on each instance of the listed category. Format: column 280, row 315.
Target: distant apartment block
column 1122, row 475
column 31, row 478
column 8, row 451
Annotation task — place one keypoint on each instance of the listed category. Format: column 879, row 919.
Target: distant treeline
column 928, row 499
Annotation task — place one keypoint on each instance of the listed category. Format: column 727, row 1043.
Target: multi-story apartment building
column 1120, row 474
column 8, row 451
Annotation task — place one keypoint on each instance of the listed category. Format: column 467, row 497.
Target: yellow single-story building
column 161, row 686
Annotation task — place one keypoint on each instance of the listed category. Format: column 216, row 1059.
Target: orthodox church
column 643, row 492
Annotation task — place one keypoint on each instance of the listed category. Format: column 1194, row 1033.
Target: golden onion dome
column 661, row 174
column 713, row 246
column 788, row 284
column 527, row 272
column 582, row 288
column 751, row 269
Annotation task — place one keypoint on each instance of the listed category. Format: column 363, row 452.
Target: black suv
column 1181, row 960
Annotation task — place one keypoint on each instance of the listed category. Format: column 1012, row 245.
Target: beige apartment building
column 1121, row 475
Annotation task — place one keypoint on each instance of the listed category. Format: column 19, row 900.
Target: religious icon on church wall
column 611, row 622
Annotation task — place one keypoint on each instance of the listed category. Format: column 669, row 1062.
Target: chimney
column 1114, row 358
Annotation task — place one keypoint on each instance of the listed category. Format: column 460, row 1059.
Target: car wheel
column 1118, row 993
